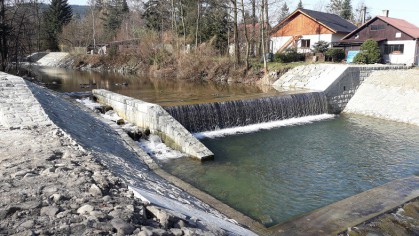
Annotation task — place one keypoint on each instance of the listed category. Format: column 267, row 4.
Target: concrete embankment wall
column 155, row 118
column 339, row 82
column 391, row 95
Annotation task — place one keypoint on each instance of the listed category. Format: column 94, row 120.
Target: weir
column 220, row 115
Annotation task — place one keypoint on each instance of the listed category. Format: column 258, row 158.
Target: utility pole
column 364, row 14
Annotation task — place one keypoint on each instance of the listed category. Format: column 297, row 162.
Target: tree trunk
column 197, row 25
column 267, row 28
column 246, row 36
column 262, row 19
column 253, row 41
column 183, row 22
column 3, row 39
column 236, row 33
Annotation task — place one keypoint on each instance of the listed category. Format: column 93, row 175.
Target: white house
column 397, row 39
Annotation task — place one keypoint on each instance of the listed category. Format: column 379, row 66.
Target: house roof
column 331, row 21
column 402, row 25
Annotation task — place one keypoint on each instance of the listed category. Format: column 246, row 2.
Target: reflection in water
column 281, row 173
column 165, row 92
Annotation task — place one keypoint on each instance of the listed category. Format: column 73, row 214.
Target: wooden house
column 397, row 38
column 303, row 28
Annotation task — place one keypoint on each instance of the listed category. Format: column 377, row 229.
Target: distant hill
column 78, row 10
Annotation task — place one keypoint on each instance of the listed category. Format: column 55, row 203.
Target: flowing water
column 221, row 115
column 275, row 175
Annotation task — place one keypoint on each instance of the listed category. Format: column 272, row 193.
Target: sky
column 402, row 9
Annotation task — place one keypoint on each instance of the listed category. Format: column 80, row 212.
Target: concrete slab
column 337, row 217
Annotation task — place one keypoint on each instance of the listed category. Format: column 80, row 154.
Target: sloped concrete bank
column 391, row 95
column 65, row 172
column 338, row 82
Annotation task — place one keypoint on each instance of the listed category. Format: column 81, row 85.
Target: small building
column 303, row 28
column 397, row 39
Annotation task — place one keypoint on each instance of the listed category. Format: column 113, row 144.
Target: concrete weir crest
column 155, row 118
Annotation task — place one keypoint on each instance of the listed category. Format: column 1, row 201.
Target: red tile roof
column 402, row 25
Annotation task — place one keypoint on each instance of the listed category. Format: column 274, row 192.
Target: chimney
column 385, row 13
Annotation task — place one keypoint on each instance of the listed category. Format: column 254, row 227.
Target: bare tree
column 245, row 35
column 197, row 23
column 262, row 20
column 236, row 32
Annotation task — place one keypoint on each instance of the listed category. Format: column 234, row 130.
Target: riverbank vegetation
column 197, row 39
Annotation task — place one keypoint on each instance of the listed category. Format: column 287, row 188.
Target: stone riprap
column 69, row 176
column 391, row 95
column 52, row 59
column 339, row 82
column 18, row 107
column 154, row 117
column 316, row 77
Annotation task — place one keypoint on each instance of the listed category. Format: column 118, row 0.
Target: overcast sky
column 402, row 9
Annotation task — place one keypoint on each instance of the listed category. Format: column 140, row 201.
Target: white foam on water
column 89, row 103
column 155, row 147
column 262, row 126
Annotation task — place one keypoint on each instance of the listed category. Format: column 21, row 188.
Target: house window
column 378, row 27
column 398, row 35
column 393, row 49
column 305, row 43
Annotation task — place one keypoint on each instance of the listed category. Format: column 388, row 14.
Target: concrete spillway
column 220, row 115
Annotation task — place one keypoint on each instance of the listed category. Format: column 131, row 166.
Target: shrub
column 113, row 51
column 370, row 53
column 361, row 58
column 290, row 55
column 320, row 47
column 335, row 54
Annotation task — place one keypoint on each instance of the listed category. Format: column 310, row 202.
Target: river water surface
column 275, row 175
column 166, row 92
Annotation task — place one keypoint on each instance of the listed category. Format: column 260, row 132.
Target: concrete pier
column 155, row 118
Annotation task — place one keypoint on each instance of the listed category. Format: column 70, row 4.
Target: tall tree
column 4, row 32
column 57, row 15
column 236, row 32
column 245, row 34
column 285, row 11
column 267, row 27
column 254, row 20
column 346, row 12
column 115, row 12
column 157, row 15
column 335, row 7
column 263, row 20
column 300, row 4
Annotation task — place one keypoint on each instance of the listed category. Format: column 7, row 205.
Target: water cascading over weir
column 220, row 115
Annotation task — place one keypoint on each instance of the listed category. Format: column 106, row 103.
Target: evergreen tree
column 300, row 4
column 284, row 12
column 115, row 12
column 57, row 15
column 346, row 12
column 335, row 6
column 157, row 15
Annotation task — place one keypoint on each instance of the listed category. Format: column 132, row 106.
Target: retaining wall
column 339, row 82
column 155, row 118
